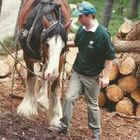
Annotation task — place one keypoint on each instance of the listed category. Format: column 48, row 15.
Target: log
column 126, row 46
column 114, row 72
column 134, row 33
column 138, row 110
column 4, row 68
column 135, row 56
column 136, row 95
column 125, row 28
column 102, row 99
column 125, row 106
column 114, row 93
column 128, row 83
column 127, row 65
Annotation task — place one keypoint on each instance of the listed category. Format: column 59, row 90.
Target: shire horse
column 43, row 28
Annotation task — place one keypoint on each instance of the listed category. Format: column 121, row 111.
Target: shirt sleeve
column 109, row 48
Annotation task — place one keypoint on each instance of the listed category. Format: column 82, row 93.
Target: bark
column 126, row 46
column 108, row 12
column 134, row 9
column 136, row 95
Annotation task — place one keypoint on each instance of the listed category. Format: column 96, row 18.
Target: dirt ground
column 13, row 127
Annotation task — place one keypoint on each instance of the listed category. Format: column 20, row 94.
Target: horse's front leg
column 55, row 108
column 28, row 106
column 42, row 97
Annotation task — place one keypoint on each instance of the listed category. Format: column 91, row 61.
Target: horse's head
column 53, row 38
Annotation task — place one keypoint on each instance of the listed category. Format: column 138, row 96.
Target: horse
column 43, row 28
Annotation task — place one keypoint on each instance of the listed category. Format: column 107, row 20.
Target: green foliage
column 117, row 18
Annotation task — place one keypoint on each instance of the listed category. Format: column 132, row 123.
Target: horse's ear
column 67, row 25
column 46, row 23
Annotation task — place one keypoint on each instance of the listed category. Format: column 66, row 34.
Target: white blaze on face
column 56, row 45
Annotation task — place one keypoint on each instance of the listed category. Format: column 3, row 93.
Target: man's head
column 84, row 8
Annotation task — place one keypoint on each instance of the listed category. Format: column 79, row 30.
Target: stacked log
column 123, row 92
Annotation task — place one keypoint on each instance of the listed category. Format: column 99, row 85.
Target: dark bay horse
column 43, row 34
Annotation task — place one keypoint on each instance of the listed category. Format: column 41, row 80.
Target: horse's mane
column 35, row 40
column 56, row 29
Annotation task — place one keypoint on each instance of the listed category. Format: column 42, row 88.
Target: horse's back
column 28, row 4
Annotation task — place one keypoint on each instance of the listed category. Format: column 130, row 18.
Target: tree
column 108, row 12
column 134, row 9
column 0, row 5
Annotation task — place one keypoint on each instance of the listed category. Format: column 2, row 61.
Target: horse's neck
column 25, row 10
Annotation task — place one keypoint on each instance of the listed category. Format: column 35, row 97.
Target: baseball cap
column 84, row 8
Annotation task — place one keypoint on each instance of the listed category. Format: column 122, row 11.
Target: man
column 96, row 53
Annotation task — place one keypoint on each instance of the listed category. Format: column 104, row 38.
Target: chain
column 13, row 78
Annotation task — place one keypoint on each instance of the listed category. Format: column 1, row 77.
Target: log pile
column 123, row 93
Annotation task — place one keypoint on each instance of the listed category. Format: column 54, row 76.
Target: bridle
column 51, row 19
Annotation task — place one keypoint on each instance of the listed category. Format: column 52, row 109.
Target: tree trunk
column 128, row 83
column 0, row 6
column 127, row 65
column 134, row 9
column 114, row 72
column 125, row 106
column 114, row 93
column 108, row 12
column 126, row 46
column 136, row 95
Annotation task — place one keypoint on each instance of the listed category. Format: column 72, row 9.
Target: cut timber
column 126, row 46
column 128, row 83
column 125, row 28
column 138, row 110
column 125, row 106
column 102, row 99
column 127, row 65
column 4, row 68
column 114, row 93
column 136, row 95
column 114, row 72
column 135, row 56
column 134, row 33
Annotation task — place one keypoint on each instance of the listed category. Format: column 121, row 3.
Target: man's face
column 83, row 19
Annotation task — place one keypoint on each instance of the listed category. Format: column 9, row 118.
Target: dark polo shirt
column 94, row 49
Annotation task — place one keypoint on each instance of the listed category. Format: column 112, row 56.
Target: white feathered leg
column 55, row 108
column 28, row 106
column 43, row 95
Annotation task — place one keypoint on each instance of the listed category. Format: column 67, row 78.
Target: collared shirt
column 93, row 29
column 94, row 47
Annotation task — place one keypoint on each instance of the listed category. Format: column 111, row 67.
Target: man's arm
column 105, row 79
column 70, row 44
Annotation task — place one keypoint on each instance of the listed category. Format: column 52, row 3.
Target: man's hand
column 104, row 81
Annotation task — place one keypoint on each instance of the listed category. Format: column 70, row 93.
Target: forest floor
column 14, row 127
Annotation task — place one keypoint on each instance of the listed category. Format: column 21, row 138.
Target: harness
column 26, row 34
